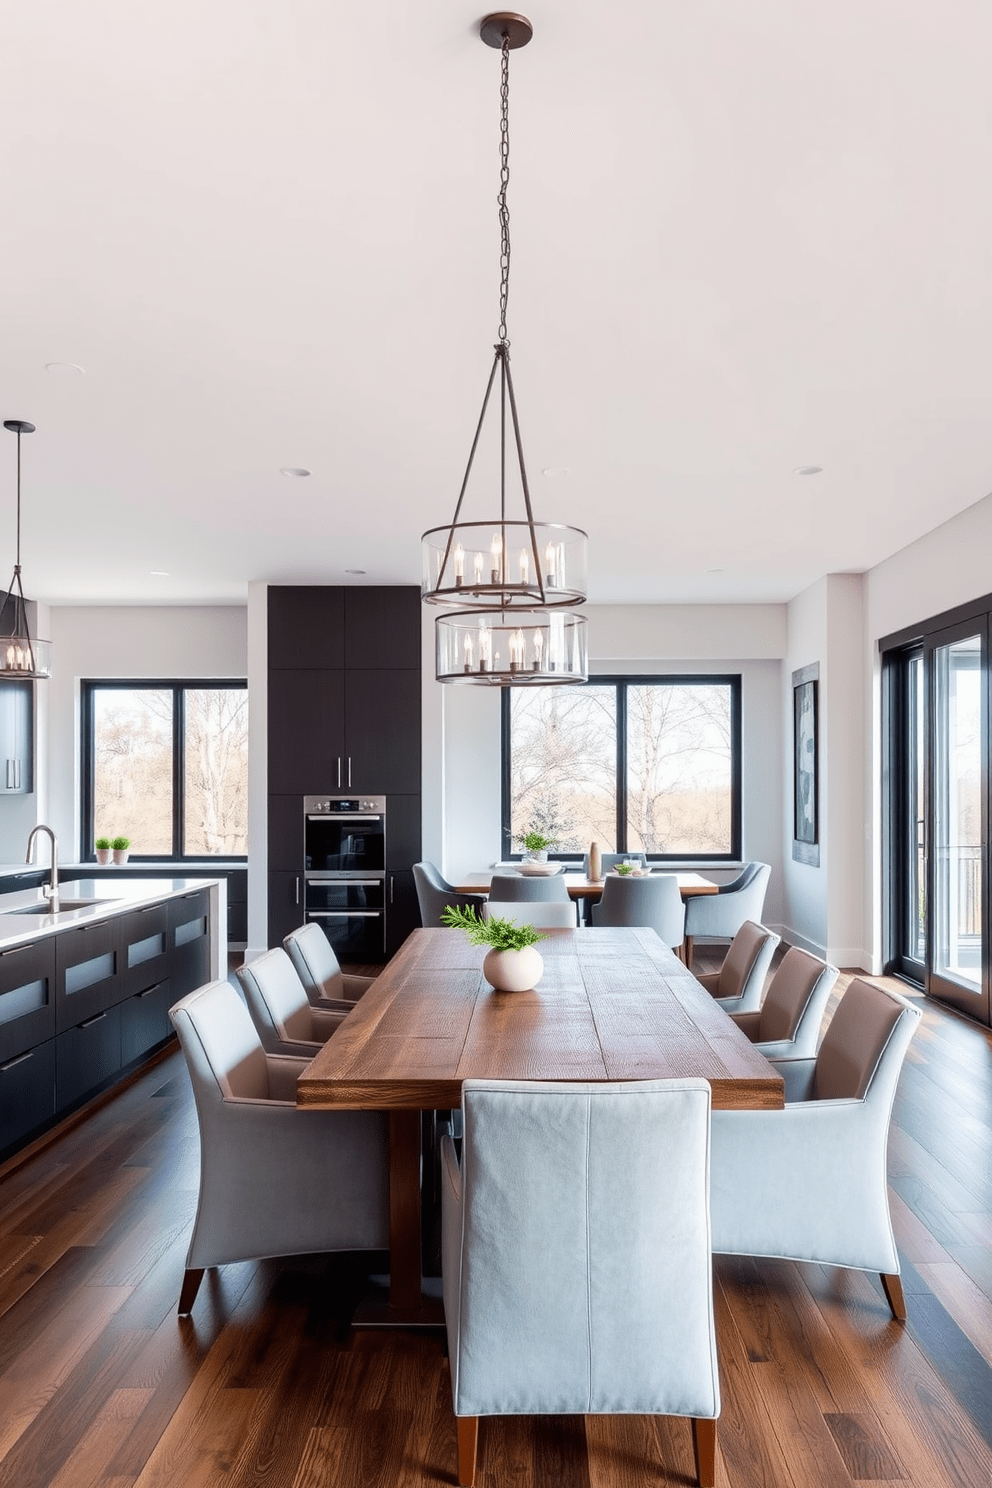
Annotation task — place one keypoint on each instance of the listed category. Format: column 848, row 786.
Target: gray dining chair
column 285, row 1019
column 507, row 887
column 808, row 1183
column 654, row 902
column 318, row 969
column 576, row 1256
column 610, row 860
column 739, row 985
column 434, row 894
column 544, row 914
column 787, row 1025
column 274, row 1180
column 722, row 914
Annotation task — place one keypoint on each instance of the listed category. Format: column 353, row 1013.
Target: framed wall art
column 805, row 725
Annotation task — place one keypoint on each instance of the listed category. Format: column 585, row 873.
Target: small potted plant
column 102, row 849
column 535, row 844
column 625, row 868
column 512, row 964
column 120, row 846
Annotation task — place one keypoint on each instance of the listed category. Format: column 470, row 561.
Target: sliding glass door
column 957, row 808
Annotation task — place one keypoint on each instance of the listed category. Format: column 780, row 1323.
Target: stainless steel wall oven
column 344, row 872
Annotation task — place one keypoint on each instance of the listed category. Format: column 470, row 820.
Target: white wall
column 126, row 641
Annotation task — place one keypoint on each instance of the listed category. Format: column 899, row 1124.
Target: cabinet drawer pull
column 13, row 950
column 148, row 909
column 11, row 1062
column 149, row 990
column 97, row 1018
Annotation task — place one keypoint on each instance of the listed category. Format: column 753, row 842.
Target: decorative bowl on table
column 538, row 870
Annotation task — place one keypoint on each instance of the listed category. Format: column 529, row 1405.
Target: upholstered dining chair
column 808, row 1183
column 654, row 902
column 739, row 984
column 610, row 860
column 274, row 1180
column 544, row 914
column 434, row 894
column 508, row 887
column 576, row 1256
column 286, row 1021
column 722, row 914
column 787, row 1024
column 317, row 968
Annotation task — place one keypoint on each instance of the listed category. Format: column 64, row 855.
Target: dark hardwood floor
column 102, row 1384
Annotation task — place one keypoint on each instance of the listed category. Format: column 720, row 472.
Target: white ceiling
column 746, row 238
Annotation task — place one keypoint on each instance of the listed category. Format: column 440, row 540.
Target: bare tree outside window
column 679, row 768
column 132, row 766
column 563, row 774
column 216, row 771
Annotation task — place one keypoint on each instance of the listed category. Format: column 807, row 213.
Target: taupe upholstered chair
column 576, row 1256
column 788, row 1023
column 434, row 894
column 285, row 1019
column 654, row 902
column 317, row 968
column 545, row 914
column 509, row 888
column 739, row 984
column 274, row 1180
column 722, row 914
column 809, row 1183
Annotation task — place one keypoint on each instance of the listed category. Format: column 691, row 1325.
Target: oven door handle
column 344, row 914
column 343, row 816
column 348, row 883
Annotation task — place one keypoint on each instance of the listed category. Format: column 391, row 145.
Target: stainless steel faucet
column 50, row 892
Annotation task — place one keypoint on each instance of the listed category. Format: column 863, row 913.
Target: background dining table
column 581, row 887
column 612, row 1004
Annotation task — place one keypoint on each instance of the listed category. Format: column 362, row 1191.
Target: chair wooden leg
column 688, row 946
column 704, row 1450
column 468, row 1441
column 190, row 1287
column 892, row 1286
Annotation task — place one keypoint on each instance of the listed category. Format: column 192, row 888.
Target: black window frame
column 179, row 686
column 622, row 683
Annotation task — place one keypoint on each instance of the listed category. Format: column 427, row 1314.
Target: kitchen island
column 85, row 992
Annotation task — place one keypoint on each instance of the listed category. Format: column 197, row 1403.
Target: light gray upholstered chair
column 434, row 894
column 610, row 860
column 508, row 887
column 654, row 902
column 809, row 1183
column 576, row 1256
column 722, row 914
column 317, row 967
column 787, row 1024
column 274, row 1180
column 285, row 1019
column 739, row 984
column 545, row 914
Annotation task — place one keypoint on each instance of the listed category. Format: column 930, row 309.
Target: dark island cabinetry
column 344, row 681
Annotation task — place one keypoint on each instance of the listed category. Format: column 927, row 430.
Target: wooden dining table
column 612, row 1004
column 581, row 887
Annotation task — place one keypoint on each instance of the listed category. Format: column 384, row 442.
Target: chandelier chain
column 504, row 181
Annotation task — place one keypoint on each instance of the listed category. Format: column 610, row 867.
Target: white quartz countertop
column 24, row 915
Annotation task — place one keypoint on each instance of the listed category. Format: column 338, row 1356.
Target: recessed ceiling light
column 69, row 369
column 556, row 470
column 356, row 570
column 808, row 470
column 296, row 471
column 157, row 573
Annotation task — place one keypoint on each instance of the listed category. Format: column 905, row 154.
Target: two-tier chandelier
column 21, row 654
column 513, row 580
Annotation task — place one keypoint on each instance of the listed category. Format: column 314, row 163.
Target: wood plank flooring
column 102, row 1384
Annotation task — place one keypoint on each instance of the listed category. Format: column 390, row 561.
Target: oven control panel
column 343, row 805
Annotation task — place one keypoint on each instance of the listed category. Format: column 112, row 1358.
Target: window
column 649, row 764
column 166, row 764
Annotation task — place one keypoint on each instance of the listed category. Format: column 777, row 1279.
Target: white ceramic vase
column 513, row 971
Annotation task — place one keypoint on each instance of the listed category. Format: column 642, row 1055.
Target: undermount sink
column 65, row 903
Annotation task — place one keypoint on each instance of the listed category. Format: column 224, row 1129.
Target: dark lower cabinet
column 285, row 905
column 145, row 1020
column 402, row 910
column 27, row 996
column 86, row 1056
column 189, row 941
column 87, row 972
column 145, row 953
column 27, row 1093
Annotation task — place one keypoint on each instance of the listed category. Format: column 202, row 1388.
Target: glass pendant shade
column 22, row 655
column 513, row 563
column 503, row 648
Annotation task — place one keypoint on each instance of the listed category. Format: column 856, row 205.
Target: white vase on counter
column 513, row 971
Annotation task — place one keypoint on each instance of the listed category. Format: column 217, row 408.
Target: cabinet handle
column 391, row 888
column 97, row 1018
column 149, row 990
column 10, row 783
column 13, row 950
column 349, row 772
column 17, row 773
column 297, row 890
column 11, row 1062
column 339, row 772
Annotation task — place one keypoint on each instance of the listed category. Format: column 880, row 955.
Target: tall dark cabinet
column 16, row 738
column 344, row 715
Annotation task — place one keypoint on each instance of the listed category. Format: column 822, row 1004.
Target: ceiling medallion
column 508, row 575
column 21, row 654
